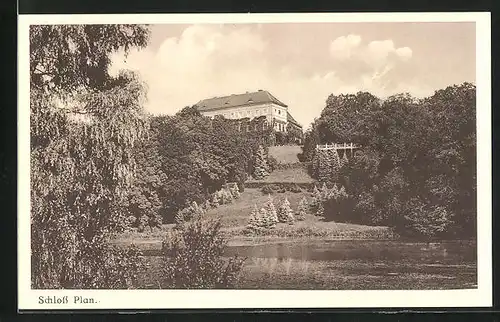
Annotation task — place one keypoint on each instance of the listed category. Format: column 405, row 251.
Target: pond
column 351, row 265
column 442, row 252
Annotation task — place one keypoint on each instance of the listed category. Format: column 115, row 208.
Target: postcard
column 319, row 160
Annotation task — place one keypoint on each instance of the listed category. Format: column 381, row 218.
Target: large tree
column 84, row 125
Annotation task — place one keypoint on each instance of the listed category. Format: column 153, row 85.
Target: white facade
column 270, row 110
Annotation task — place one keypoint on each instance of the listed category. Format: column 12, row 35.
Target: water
column 443, row 252
column 349, row 265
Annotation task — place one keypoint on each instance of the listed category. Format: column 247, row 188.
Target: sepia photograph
column 266, row 153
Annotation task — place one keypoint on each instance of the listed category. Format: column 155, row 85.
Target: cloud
column 342, row 47
column 404, row 52
column 212, row 60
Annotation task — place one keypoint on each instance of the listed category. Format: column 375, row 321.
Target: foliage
column 85, row 124
column 259, row 221
column 193, row 257
column 200, row 155
column 413, row 149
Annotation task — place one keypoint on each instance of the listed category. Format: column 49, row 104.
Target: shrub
column 215, row 200
column 235, row 193
column 269, row 189
column 272, row 163
column 193, row 257
column 207, row 205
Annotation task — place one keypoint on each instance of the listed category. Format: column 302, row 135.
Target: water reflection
column 366, row 250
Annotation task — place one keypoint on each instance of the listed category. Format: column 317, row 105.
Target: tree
column 260, row 166
column 253, row 226
column 302, row 210
column 271, row 210
column 315, row 199
column 285, row 212
column 320, row 210
column 84, row 126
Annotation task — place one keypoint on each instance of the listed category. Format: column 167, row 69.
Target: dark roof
column 258, row 97
column 290, row 119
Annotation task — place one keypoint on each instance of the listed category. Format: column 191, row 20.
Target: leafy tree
column 84, row 126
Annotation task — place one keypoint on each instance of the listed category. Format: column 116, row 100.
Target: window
column 279, row 112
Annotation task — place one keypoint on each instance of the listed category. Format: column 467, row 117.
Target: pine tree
column 316, row 199
column 253, row 223
column 267, row 219
column 285, row 212
column 335, row 166
column 260, row 166
column 302, row 209
column 320, row 211
column 324, row 165
column 271, row 210
column 334, row 192
column 344, row 160
column 325, row 192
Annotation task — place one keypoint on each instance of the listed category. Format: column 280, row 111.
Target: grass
column 235, row 216
column 286, row 154
column 295, row 175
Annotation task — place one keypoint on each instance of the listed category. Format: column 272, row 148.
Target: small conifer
column 271, row 210
column 260, row 166
column 253, row 225
column 302, row 209
column 285, row 213
column 320, row 211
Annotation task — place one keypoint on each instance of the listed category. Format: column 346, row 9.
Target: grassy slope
column 235, row 216
column 297, row 175
column 285, row 154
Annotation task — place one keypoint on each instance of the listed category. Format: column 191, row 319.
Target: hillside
column 286, row 154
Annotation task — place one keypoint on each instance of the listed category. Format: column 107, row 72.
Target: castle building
column 251, row 105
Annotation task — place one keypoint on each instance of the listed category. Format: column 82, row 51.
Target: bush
column 193, row 257
column 272, row 163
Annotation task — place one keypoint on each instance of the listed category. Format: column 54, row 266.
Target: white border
column 178, row 299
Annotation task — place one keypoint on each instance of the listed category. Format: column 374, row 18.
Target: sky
column 300, row 63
